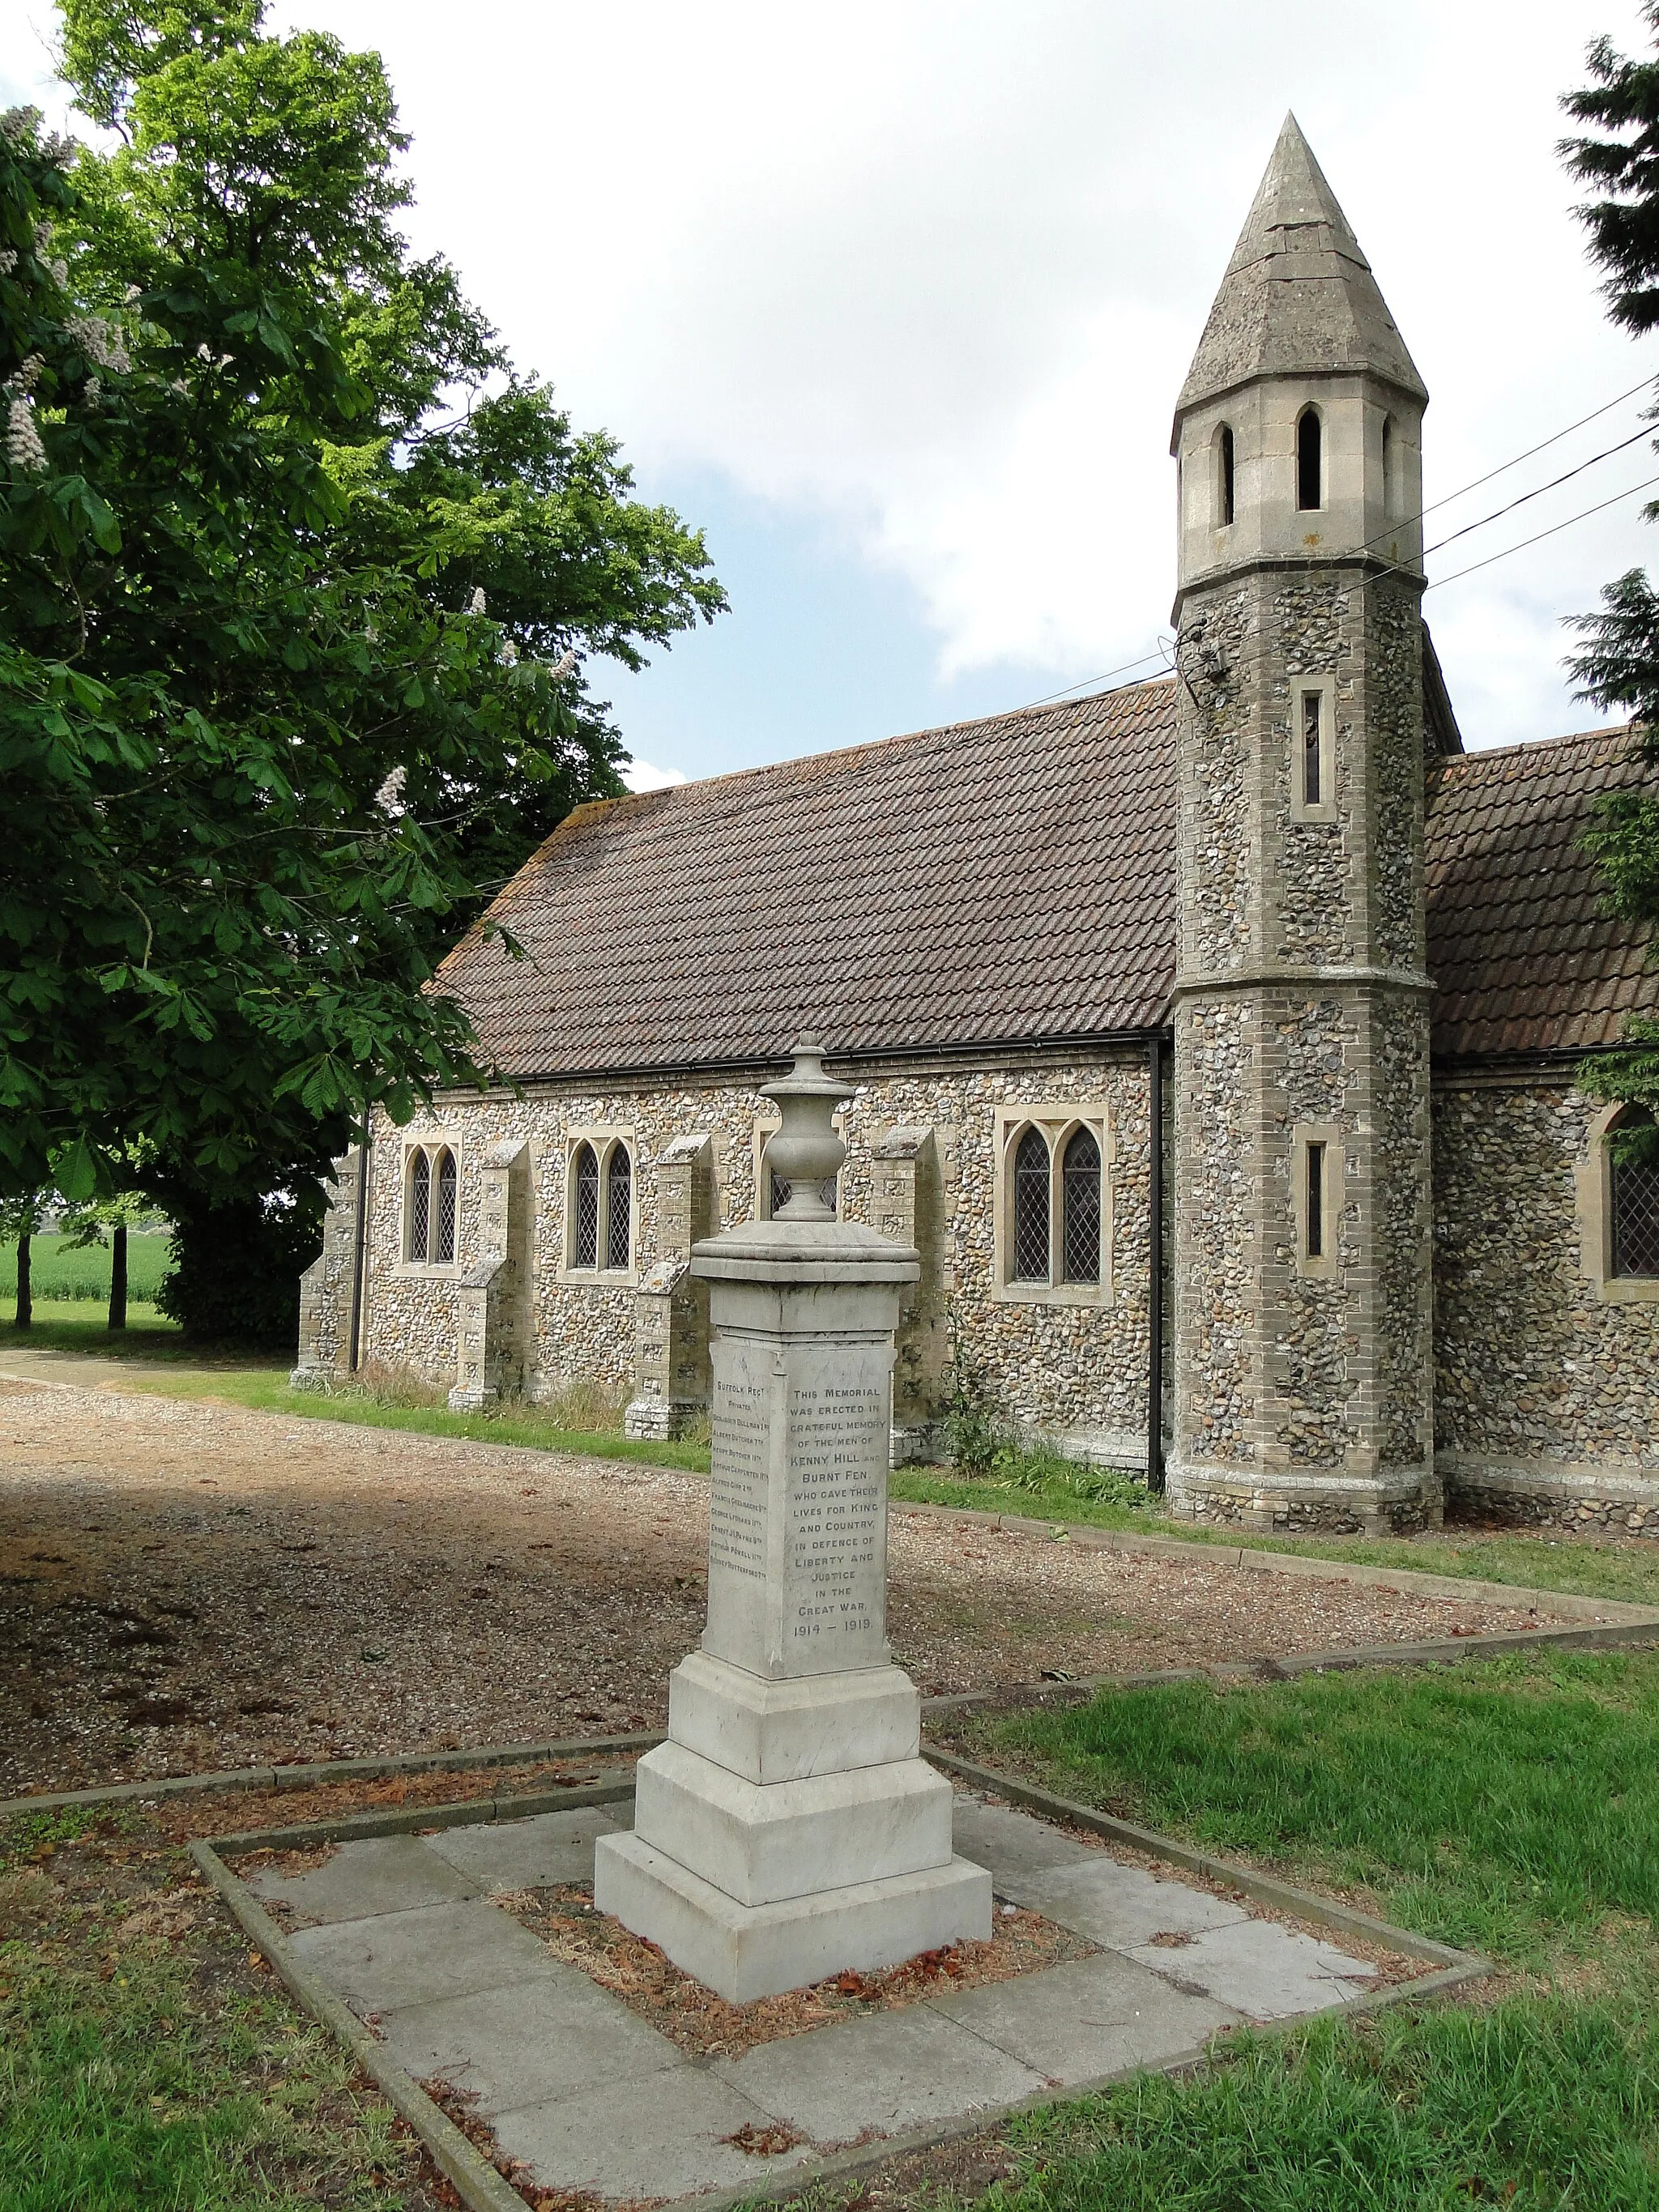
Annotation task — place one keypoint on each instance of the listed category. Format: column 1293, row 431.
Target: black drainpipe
column 1155, row 1270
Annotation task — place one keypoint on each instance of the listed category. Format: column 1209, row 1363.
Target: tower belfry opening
column 1309, row 461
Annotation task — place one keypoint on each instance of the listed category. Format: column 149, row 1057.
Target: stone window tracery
column 1053, row 1204
column 431, row 1204
column 600, row 1205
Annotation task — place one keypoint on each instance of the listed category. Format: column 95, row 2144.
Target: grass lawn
column 1512, row 1807
column 56, row 1271
column 148, row 2059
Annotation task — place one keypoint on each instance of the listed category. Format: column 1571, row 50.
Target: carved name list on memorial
column 788, row 1829
column 820, row 1604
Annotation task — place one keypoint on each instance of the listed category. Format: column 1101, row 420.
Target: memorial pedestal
column 788, row 1828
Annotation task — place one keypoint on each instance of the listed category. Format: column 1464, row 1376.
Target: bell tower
column 1302, row 1358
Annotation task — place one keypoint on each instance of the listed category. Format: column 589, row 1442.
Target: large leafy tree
column 297, row 579
column 1617, row 157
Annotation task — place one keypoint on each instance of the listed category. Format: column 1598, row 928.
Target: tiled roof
column 1006, row 881
column 1523, row 953
column 998, row 881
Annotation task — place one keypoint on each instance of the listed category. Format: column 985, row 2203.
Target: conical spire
column 1298, row 293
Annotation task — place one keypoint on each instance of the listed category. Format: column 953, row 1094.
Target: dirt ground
column 187, row 1585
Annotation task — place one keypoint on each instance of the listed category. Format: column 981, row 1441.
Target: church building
column 1212, row 1039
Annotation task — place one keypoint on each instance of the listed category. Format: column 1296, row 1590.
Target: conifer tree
column 1618, row 665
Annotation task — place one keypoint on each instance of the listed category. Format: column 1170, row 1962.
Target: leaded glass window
column 585, row 1201
column 443, row 1239
column 618, row 1209
column 1031, row 1209
column 1635, row 1194
column 420, row 1206
column 1080, row 1178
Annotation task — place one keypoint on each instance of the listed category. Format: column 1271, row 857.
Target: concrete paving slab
column 1266, row 1971
column 382, row 1874
column 1012, row 1846
column 887, row 2070
column 415, row 1958
column 1088, row 2019
column 530, row 2041
column 663, row 2142
column 534, row 1854
column 1122, row 1906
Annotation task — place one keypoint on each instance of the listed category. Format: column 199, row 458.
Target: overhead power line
column 1629, row 493
column 1515, row 461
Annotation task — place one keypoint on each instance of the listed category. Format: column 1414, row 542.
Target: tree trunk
column 117, row 1276
column 25, row 1294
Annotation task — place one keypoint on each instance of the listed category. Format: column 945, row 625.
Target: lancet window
column 1633, row 1186
column 601, row 1207
column 431, row 1206
column 1052, row 1182
column 1309, row 459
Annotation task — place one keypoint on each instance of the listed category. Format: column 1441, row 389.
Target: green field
column 63, row 1275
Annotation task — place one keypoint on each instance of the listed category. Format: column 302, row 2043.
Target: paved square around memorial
column 591, row 2096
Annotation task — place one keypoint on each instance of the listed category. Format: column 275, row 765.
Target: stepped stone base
column 748, row 1951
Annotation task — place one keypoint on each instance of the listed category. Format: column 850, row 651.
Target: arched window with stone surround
column 1633, row 1195
column 443, row 1212
column 618, row 1209
column 1224, row 475
column 419, row 1207
column 1393, row 502
column 1309, row 459
column 1030, row 1209
column 585, row 1208
column 1079, row 1209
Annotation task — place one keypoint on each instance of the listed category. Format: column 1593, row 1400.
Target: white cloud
column 639, row 775
column 932, row 270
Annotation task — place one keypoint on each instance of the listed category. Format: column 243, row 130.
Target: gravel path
column 185, row 1584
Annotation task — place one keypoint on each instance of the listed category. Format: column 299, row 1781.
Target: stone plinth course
column 789, row 1827
column 592, row 2097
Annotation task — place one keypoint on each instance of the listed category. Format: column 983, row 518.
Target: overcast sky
column 895, row 300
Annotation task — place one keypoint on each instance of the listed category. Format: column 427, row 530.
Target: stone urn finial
column 806, row 1151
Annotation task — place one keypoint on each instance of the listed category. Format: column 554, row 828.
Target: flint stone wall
column 1073, row 1373
column 1547, row 1397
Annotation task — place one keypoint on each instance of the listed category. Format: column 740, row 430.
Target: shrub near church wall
column 1546, row 1395
column 1077, row 1371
